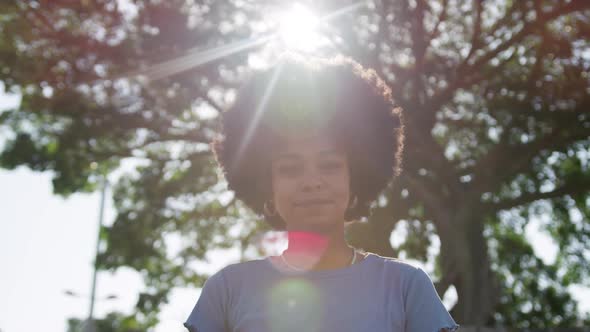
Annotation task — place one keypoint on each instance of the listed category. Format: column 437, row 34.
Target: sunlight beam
column 195, row 59
column 295, row 29
column 254, row 121
column 341, row 11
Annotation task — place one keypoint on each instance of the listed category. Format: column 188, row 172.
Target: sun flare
column 298, row 29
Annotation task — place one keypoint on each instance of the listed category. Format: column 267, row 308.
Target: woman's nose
column 312, row 181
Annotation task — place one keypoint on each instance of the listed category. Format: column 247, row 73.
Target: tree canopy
column 495, row 94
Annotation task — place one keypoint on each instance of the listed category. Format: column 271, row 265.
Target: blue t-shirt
column 377, row 294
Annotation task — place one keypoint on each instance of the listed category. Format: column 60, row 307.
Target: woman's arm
column 424, row 309
column 210, row 311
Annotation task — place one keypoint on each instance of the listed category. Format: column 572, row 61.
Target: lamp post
column 90, row 327
column 88, row 324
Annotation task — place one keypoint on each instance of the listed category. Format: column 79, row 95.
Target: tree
column 113, row 322
column 495, row 96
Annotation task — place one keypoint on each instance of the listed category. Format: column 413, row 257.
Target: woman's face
column 310, row 182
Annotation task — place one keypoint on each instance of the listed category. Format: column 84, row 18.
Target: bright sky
column 47, row 246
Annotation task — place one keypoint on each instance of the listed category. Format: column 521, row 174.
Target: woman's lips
column 312, row 203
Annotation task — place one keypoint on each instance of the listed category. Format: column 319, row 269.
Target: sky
column 47, row 246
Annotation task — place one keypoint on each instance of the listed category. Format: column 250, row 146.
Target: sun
column 298, row 29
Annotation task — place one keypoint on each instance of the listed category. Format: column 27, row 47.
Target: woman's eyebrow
column 295, row 156
column 287, row 156
column 325, row 152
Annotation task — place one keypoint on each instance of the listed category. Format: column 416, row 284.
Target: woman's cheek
column 284, row 193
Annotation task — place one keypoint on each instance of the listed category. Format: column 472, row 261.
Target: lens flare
column 298, row 29
column 295, row 305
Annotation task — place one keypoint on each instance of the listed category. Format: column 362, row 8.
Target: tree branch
column 462, row 77
column 426, row 193
column 441, row 17
column 419, row 43
column 381, row 35
column 475, row 38
column 577, row 186
column 504, row 161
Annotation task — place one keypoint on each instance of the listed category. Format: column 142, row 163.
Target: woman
column 309, row 144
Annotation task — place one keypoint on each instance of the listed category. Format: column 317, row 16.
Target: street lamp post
column 90, row 327
column 86, row 324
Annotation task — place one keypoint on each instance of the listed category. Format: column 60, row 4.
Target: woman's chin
column 317, row 222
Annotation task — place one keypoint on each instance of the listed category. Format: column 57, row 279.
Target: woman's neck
column 314, row 251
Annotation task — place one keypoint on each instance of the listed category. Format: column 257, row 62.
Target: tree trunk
column 475, row 282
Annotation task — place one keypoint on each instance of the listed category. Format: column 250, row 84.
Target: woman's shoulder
column 243, row 268
column 395, row 265
column 379, row 264
column 406, row 273
column 234, row 275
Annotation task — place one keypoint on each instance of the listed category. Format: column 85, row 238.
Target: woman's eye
column 330, row 165
column 289, row 169
column 293, row 170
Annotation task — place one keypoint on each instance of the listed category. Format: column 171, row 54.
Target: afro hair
column 351, row 103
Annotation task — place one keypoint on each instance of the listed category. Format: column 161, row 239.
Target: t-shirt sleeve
column 424, row 309
column 210, row 311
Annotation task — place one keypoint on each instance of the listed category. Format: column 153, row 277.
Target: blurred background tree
column 496, row 99
column 113, row 322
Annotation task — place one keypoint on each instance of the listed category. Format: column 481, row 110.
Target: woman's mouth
column 313, row 202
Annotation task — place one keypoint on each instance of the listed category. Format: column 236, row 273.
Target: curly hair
column 352, row 104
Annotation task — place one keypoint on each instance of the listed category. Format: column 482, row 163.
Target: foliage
column 495, row 96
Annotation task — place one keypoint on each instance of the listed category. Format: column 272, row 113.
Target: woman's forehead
column 311, row 141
